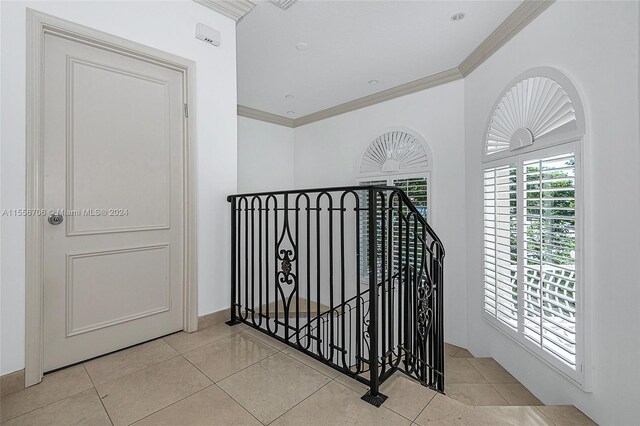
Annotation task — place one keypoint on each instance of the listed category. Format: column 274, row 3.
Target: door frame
column 38, row 25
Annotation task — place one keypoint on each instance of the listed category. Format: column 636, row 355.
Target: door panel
column 108, row 121
column 113, row 165
column 108, row 288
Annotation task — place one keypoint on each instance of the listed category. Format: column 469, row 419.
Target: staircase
column 351, row 276
column 481, row 391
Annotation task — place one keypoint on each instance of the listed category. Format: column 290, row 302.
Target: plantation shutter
column 416, row 190
column 364, row 229
column 549, row 235
column 500, row 244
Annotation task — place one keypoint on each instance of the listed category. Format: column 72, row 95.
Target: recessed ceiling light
column 283, row 4
column 290, row 113
column 288, row 97
column 458, row 17
column 302, row 46
column 373, row 82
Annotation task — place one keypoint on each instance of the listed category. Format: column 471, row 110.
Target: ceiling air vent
column 283, row 4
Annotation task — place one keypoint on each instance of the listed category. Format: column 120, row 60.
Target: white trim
column 512, row 25
column 418, row 85
column 267, row 117
column 550, row 144
column 515, row 336
column 365, row 146
column 579, row 377
column 519, row 18
column 554, row 138
column 389, row 178
column 428, row 172
column 234, row 9
column 39, row 24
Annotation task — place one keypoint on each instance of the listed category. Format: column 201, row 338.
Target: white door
column 113, row 165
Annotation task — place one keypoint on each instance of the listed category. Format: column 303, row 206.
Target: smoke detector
column 283, row 4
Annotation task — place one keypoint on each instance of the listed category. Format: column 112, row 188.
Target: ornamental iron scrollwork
column 297, row 276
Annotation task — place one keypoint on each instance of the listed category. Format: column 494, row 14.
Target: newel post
column 373, row 396
column 234, row 315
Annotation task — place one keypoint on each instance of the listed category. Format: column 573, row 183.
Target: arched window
column 399, row 158
column 396, row 158
column 532, row 213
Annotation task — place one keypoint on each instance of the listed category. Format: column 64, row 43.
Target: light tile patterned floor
column 237, row 376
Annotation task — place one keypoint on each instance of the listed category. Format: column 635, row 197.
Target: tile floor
column 236, row 376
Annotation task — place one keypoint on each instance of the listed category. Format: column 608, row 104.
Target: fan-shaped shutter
column 533, row 108
column 394, row 152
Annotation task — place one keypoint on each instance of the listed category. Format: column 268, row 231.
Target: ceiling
column 349, row 44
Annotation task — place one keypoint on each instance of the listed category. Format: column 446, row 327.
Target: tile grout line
column 44, row 406
column 199, row 346
column 542, row 414
column 494, row 388
column 310, row 366
column 233, row 374
column 332, row 379
column 489, row 383
column 200, row 390
column 278, row 351
column 405, row 417
column 173, row 403
column 263, row 341
column 97, row 394
column 310, row 395
column 225, row 392
column 242, row 369
column 382, row 406
column 425, row 407
column 237, row 402
column 153, row 364
column 40, row 408
column 505, row 399
column 92, row 383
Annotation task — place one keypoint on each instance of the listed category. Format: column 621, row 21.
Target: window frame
column 578, row 376
column 555, row 138
column 389, row 178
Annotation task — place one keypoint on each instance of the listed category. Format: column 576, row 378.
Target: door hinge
column 186, row 110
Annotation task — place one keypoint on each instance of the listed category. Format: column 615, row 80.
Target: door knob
column 55, row 219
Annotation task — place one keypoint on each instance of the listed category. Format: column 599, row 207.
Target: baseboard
column 12, row 382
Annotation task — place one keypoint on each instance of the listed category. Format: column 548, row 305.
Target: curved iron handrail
column 400, row 328
column 395, row 189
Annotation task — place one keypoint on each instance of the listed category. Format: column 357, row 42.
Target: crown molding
column 519, row 18
column 512, row 25
column 257, row 114
column 234, row 9
column 385, row 95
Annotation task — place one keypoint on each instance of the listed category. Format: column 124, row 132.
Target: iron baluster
column 392, row 322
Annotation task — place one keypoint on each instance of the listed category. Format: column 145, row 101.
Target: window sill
column 575, row 377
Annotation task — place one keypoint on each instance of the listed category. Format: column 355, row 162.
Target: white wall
column 328, row 153
column 168, row 26
column 265, row 156
column 596, row 45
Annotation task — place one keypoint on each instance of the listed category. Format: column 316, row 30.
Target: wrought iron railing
column 351, row 276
